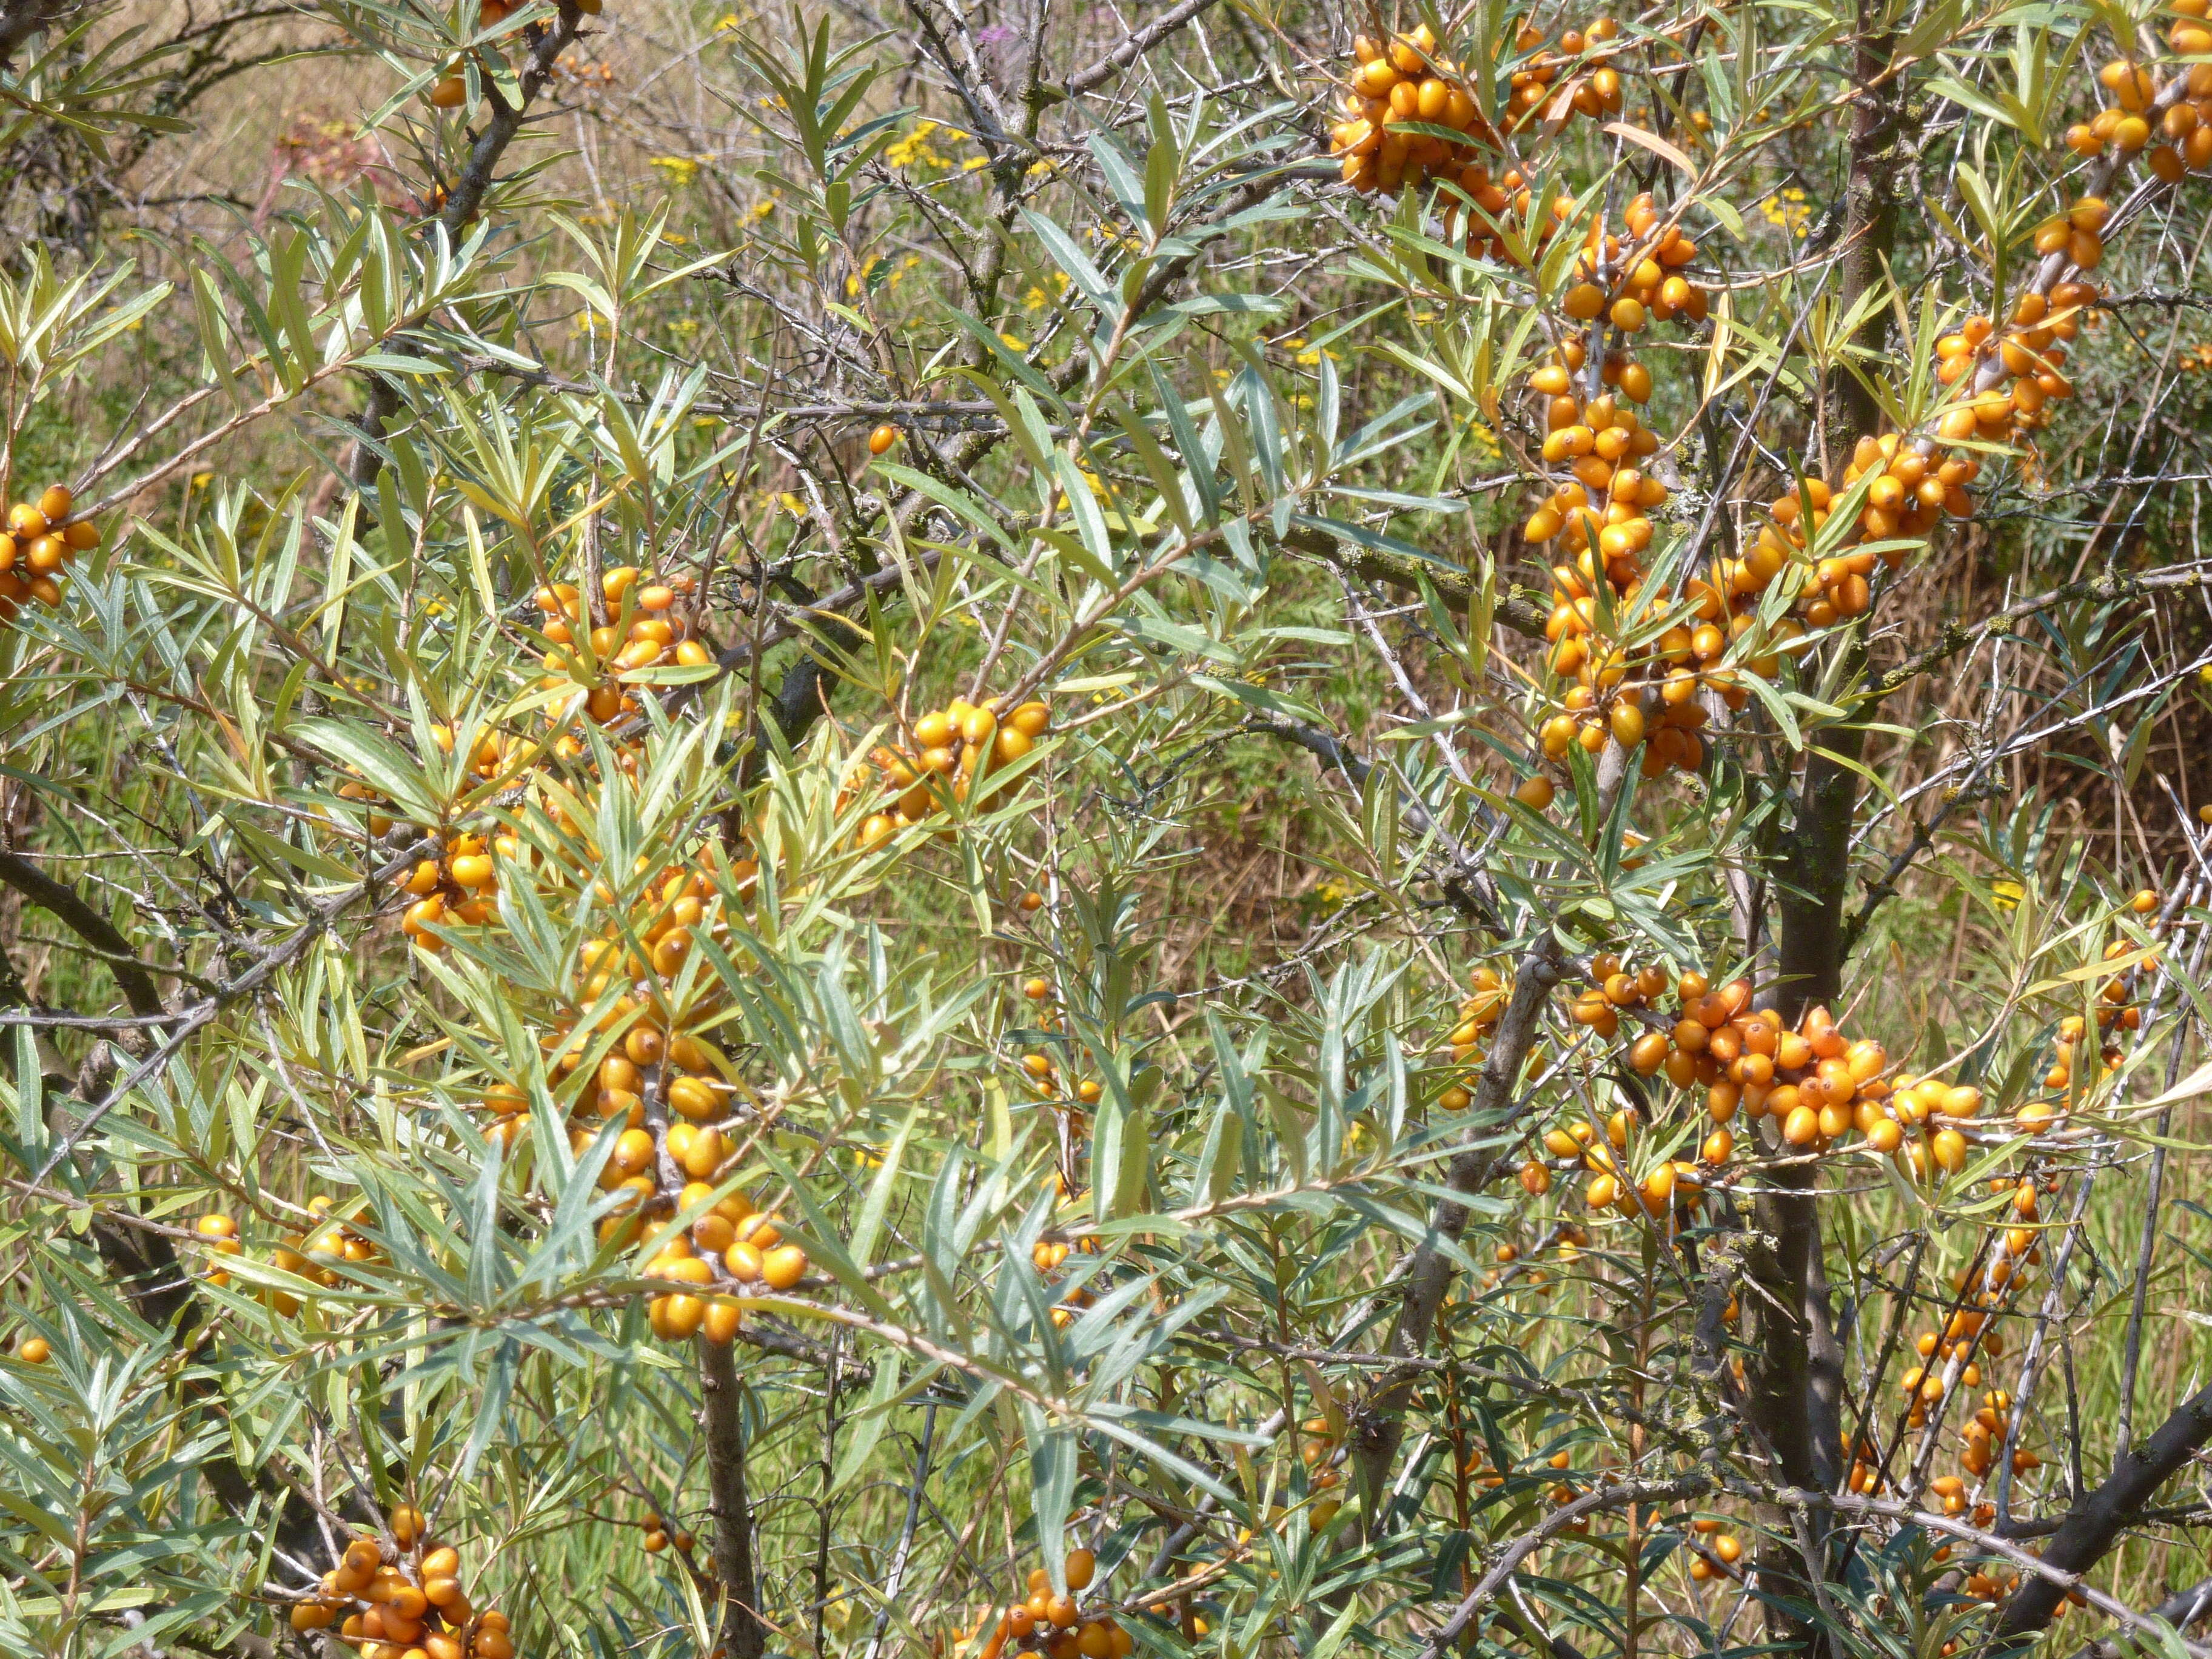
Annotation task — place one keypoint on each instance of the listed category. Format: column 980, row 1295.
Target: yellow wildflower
column 1788, row 210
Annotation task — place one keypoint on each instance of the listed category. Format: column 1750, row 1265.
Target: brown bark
column 1794, row 1375
column 24, row 18
column 1380, row 1427
column 2098, row 1518
column 106, row 941
column 743, row 1634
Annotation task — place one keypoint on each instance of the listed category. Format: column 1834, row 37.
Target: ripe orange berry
column 882, row 439
column 783, row 1266
column 633, row 1151
column 1583, row 302
column 723, row 1318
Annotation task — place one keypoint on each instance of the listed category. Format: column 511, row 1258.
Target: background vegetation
column 1184, row 1122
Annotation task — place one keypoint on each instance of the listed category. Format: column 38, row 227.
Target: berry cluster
column 1670, row 1183
column 1599, row 505
column 36, row 548
column 1040, row 1070
column 659, row 1538
column 2020, row 367
column 635, row 1000
column 634, row 981
column 1477, row 1014
column 2070, row 1077
column 1818, row 1084
column 748, row 1247
column 950, row 756
column 460, row 887
column 1631, row 285
column 1952, row 1359
column 1317, row 1450
column 1408, row 115
column 310, row 1253
column 1899, row 487
column 1049, row 1256
column 626, row 1044
column 1055, row 1624
column 605, row 662
column 220, row 1234
column 1715, row 1553
column 1815, row 1082
column 2142, row 109
column 2005, row 378
column 404, row 1599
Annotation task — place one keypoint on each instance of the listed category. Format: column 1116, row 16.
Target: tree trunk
column 743, row 1634
column 1795, row 1379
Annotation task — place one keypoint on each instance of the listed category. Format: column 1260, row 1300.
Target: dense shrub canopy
column 1193, row 828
